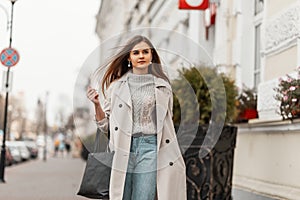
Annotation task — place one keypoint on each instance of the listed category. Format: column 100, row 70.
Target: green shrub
column 207, row 88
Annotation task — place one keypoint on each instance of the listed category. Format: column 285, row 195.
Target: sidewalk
column 57, row 178
column 239, row 194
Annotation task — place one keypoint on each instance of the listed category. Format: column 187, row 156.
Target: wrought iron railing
column 209, row 177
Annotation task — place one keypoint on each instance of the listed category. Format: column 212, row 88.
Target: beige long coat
column 171, row 178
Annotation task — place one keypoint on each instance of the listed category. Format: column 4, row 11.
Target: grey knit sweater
column 143, row 103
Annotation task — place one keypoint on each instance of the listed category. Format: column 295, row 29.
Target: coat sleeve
column 103, row 124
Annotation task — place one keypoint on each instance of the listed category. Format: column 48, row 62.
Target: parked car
column 14, row 151
column 8, row 157
column 32, row 147
column 25, row 154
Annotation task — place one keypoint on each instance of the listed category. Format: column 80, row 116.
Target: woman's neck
column 140, row 71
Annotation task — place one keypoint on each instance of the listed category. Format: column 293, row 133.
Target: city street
column 57, row 178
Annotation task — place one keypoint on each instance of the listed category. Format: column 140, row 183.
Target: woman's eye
column 145, row 51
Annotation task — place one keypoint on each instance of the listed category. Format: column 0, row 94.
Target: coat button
column 116, row 128
column 171, row 163
column 167, row 141
column 120, row 105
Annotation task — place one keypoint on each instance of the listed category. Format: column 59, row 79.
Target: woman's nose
column 141, row 54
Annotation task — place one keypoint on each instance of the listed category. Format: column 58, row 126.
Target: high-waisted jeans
column 140, row 181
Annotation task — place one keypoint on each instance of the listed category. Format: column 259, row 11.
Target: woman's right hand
column 92, row 95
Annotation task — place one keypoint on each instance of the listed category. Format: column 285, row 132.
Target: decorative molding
column 266, row 95
column 278, row 126
column 282, row 31
column 267, row 105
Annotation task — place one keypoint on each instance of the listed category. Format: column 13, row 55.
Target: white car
column 14, row 151
column 24, row 152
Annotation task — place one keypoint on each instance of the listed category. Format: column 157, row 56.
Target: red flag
column 213, row 11
column 210, row 15
column 193, row 4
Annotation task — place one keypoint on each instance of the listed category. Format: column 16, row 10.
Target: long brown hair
column 119, row 64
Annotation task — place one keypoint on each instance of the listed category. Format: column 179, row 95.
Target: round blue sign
column 9, row 57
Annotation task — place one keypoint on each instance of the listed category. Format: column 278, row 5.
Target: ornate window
column 257, row 65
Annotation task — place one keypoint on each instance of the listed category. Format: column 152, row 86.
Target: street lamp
column 11, row 22
column 45, row 127
column 3, row 149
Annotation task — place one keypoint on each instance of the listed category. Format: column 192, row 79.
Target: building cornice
column 282, row 30
column 273, row 126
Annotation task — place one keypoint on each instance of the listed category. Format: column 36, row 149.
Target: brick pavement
column 57, row 178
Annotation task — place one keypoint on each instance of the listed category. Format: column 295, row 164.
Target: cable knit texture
column 143, row 103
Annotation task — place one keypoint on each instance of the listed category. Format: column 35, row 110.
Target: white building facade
column 255, row 43
column 264, row 160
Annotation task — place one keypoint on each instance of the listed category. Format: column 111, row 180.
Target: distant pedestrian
column 138, row 105
column 61, row 148
column 56, row 146
column 68, row 146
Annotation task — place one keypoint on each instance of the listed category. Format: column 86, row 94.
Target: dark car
column 8, row 157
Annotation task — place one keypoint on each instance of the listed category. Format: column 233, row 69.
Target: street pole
column 45, row 128
column 3, row 149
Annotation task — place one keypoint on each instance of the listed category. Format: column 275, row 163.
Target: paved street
column 57, row 178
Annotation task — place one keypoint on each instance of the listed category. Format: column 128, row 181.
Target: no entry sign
column 9, row 57
column 193, row 4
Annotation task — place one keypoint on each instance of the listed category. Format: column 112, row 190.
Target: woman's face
column 140, row 57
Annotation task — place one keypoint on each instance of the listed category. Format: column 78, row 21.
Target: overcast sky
column 53, row 38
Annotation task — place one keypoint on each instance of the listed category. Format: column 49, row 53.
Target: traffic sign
column 193, row 4
column 9, row 57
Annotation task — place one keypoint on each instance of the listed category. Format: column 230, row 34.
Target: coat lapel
column 123, row 92
column 162, row 100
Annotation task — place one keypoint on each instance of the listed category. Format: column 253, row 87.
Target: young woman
column 147, row 164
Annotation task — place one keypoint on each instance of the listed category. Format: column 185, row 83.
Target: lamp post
column 3, row 149
column 45, row 127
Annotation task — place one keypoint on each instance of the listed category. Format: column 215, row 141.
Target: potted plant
column 288, row 93
column 247, row 105
column 208, row 176
column 204, row 94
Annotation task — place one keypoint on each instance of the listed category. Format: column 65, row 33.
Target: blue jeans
column 140, row 183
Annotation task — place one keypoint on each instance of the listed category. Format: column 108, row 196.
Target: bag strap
column 97, row 141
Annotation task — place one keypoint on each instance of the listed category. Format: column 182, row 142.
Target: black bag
column 96, row 177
